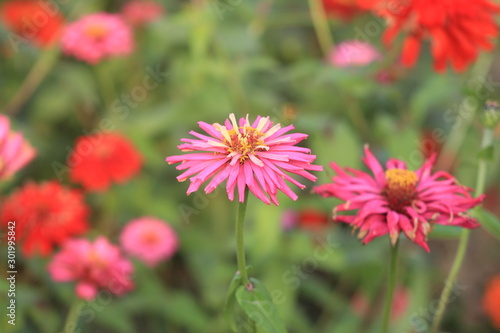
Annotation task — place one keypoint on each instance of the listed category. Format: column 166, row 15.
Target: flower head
column 33, row 21
column 139, row 12
column 97, row 265
column 100, row 159
column 46, row 215
column 457, row 29
column 353, row 53
column 149, row 239
column 15, row 153
column 254, row 155
column 98, row 36
column 399, row 200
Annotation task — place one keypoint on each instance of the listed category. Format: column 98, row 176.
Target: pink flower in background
column 399, row 200
column 98, row 36
column 94, row 266
column 353, row 53
column 149, row 239
column 140, row 12
column 255, row 155
column 15, row 152
column 289, row 219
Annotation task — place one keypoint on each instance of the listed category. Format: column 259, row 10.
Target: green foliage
column 206, row 59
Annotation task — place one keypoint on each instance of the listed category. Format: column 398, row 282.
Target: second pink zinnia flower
column 95, row 266
column 98, row 36
column 256, row 155
column 399, row 200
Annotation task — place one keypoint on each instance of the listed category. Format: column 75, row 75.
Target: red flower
column 312, row 219
column 399, row 200
column 344, row 9
column 491, row 301
column 457, row 29
column 100, row 159
column 430, row 143
column 45, row 215
column 36, row 21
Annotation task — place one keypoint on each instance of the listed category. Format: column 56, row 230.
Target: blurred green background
column 254, row 57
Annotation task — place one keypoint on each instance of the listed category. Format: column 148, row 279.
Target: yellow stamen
column 96, row 31
column 400, row 179
column 243, row 140
column 400, row 188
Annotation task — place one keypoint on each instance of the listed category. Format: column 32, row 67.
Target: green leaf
column 258, row 305
column 230, row 301
column 488, row 221
column 443, row 232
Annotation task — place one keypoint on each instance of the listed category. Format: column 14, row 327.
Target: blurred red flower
column 344, row 9
column 45, row 215
column 491, row 301
column 430, row 143
column 457, row 29
column 36, row 21
column 100, row 159
column 312, row 219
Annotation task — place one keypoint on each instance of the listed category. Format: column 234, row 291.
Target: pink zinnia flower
column 98, row 36
column 256, row 155
column 398, row 200
column 15, row 152
column 149, row 239
column 140, row 12
column 97, row 265
column 353, row 53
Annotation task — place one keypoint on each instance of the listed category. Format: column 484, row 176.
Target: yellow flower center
column 96, row 259
column 96, row 31
column 150, row 238
column 245, row 143
column 400, row 188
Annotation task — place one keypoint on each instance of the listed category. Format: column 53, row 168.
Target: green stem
column 71, row 322
column 390, row 287
column 464, row 238
column 38, row 72
column 106, row 85
column 240, row 245
column 321, row 27
column 487, row 141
